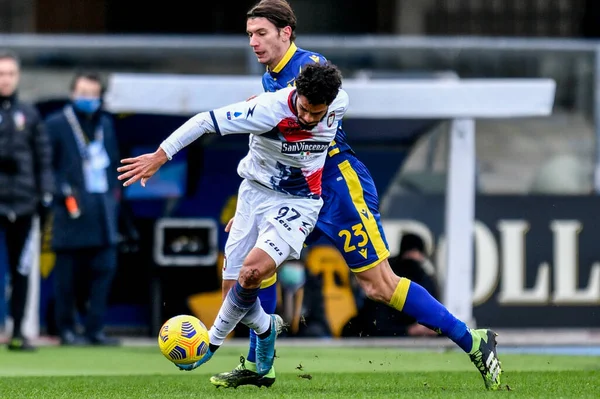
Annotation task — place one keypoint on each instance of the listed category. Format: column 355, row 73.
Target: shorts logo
column 304, row 148
column 330, row 118
column 304, row 228
column 272, row 245
column 285, row 225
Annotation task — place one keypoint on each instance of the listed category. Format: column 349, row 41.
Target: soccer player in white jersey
column 280, row 197
column 349, row 218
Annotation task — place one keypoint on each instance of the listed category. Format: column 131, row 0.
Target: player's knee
column 257, row 267
column 251, row 276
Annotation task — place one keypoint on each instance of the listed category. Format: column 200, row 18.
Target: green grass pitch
column 306, row 373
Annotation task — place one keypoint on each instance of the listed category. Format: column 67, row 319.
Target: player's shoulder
column 277, row 95
column 304, row 57
column 266, row 75
column 269, row 99
column 341, row 100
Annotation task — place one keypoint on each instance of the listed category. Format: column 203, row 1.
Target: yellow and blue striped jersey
column 285, row 74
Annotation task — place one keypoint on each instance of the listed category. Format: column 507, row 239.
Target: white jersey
column 282, row 156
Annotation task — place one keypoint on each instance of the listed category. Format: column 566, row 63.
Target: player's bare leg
column 381, row 284
column 226, row 286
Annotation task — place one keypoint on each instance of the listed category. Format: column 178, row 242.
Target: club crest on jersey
column 330, row 118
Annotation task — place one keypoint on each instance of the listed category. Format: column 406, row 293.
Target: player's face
column 9, row 76
column 309, row 115
column 268, row 42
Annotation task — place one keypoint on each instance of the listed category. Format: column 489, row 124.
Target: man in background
column 26, row 187
column 379, row 320
column 85, row 224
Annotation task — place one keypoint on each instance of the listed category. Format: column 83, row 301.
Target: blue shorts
column 350, row 217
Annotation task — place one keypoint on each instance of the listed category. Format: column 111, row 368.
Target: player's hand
column 228, row 227
column 189, row 367
column 141, row 167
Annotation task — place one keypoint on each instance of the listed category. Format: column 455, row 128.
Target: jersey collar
column 286, row 58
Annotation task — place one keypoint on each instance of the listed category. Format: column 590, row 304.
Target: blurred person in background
column 379, row 320
column 26, row 187
column 412, row 263
column 291, row 277
column 301, row 302
column 85, row 223
column 313, row 319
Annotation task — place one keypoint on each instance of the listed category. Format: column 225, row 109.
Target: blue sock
column 268, row 301
column 415, row 301
column 242, row 297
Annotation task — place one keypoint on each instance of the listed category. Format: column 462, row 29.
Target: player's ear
column 286, row 33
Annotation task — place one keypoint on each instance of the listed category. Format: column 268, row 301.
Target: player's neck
column 283, row 58
column 272, row 65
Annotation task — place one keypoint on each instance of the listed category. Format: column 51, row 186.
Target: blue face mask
column 292, row 275
column 86, row 105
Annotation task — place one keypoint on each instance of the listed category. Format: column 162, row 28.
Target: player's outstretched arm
column 236, row 118
column 141, row 167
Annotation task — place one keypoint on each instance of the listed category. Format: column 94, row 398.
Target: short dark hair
column 10, row 55
column 278, row 12
column 319, row 83
column 411, row 242
column 89, row 75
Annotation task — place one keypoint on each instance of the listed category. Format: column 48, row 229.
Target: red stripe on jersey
column 314, row 181
column 291, row 130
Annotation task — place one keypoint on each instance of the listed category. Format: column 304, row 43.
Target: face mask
column 292, row 275
column 86, row 105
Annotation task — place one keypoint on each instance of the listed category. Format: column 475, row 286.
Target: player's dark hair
column 278, row 12
column 6, row 54
column 319, row 83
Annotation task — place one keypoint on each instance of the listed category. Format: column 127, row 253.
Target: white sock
column 257, row 319
column 229, row 316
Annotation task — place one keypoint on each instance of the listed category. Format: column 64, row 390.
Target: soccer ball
column 183, row 339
